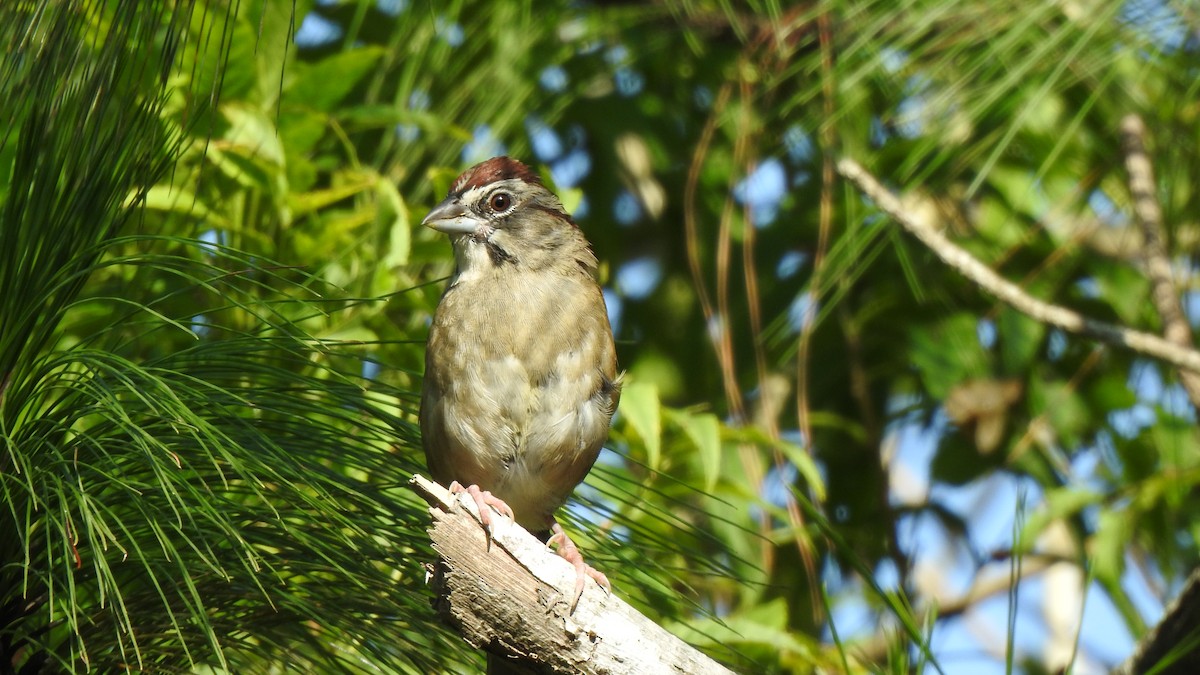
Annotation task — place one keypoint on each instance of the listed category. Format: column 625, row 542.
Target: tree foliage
column 214, row 293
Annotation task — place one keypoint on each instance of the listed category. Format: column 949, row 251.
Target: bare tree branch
column 1173, row 646
column 1154, row 250
column 1060, row 317
column 512, row 597
column 875, row 649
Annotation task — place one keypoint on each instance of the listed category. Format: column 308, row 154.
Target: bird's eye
column 500, row 202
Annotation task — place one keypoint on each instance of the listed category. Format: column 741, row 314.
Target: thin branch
column 875, row 648
column 719, row 332
column 1008, row 292
column 512, row 596
column 1154, row 250
column 1173, row 646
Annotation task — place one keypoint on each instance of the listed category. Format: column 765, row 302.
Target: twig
column 512, row 597
column 1154, row 250
column 1008, row 292
column 875, row 648
column 1173, row 646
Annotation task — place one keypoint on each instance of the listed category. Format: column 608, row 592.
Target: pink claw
column 570, row 553
column 485, row 501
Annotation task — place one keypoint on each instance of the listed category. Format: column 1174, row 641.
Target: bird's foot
column 570, row 552
column 485, row 501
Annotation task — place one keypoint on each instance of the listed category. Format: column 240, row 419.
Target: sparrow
column 521, row 376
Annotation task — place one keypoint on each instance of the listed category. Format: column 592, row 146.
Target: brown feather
column 492, row 171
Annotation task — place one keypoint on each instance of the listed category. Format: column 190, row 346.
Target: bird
column 521, row 378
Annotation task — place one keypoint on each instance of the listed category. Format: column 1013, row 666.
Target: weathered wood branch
column 513, row 599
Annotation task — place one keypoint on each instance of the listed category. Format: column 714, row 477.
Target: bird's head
column 499, row 213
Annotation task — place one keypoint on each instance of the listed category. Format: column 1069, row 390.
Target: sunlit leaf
column 1108, row 552
column 393, row 218
column 704, row 430
column 640, row 409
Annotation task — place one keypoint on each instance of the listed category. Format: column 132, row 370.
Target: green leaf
column 1124, row 288
column 958, row 460
column 1019, row 339
column 1062, row 406
column 640, row 408
column 571, row 199
column 392, row 217
column 1044, row 114
column 704, row 429
column 1108, row 546
column 322, row 85
column 948, row 352
column 998, row 222
column 1060, row 503
column 1110, row 391
column 1178, row 450
column 301, row 131
column 1017, row 185
column 252, row 134
column 315, row 200
column 761, row 626
column 182, row 202
column 795, row 454
column 270, row 37
column 806, row 466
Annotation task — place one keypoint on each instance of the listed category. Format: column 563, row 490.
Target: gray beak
column 451, row 217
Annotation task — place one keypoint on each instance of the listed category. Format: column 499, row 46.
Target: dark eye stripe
column 557, row 213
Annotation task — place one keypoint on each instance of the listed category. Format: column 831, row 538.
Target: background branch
column 1176, row 637
column 1154, row 250
column 1008, row 292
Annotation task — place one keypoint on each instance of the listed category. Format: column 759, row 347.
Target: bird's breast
column 510, row 400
